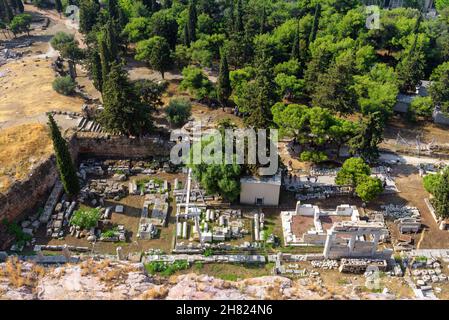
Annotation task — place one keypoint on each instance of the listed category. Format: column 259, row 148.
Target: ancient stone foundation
column 26, row 195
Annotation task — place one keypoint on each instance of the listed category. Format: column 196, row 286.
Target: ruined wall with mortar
column 26, row 195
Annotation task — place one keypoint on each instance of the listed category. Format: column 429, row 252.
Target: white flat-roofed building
column 263, row 190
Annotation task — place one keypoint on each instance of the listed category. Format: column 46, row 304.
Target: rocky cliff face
column 122, row 280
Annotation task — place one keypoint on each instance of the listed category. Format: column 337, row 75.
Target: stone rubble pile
column 359, row 266
column 60, row 218
column 427, row 273
column 397, row 211
column 325, row 264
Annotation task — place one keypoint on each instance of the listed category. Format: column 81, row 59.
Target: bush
column 166, row 269
column 64, row 85
column 313, row 156
column 369, row 188
column 430, row 181
column 179, row 111
column 85, row 219
column 421, row 107
column 196, row 82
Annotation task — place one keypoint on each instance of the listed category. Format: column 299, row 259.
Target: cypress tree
column 123, row 111
column 105, row 58
column 186, row 35
column 224, row 83
column 58, row 6
column 113, row 10
column 263, row 21
column 8, row 15
column 316, row 21
column 231, row 22
column 239, row 27
column 20, row 6
column 192, row 21
column 13, row 4
column 296, row 47
column 96, row 70
column 64, row 162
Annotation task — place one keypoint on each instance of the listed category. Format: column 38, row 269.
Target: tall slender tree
column 316, row 22
column 224, row 83
column 64, row 162
column 8, row 13
column 20, row 6
column 192, row 22
column 239, row 26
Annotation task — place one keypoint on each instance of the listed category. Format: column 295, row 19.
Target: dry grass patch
column 21, row 148
column 155, row 293
column 27, row 90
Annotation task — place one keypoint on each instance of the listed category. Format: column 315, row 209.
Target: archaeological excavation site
column 232, row 150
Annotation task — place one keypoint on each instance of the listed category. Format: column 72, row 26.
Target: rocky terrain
column 106, row 280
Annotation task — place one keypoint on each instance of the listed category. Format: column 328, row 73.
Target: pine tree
column 224, row 83
column 193, row 19
column 58, row 6
column 239, row 26
column 64, row 162
column 316, row 21
column 123, row 110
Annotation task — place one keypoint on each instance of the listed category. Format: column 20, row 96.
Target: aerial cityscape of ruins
column 224, row 149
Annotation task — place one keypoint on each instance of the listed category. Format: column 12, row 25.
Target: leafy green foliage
column 196, row 82
column 166, row 269
column 369, row 188
column 85, row 219
column 430, row 181
column 178, row 111
column 421, row 107
column 440, row 200
column 156, row 52
column 64, row 85
column 313, row 156
column 439, row 89
column 21, row 24
column 353, row 172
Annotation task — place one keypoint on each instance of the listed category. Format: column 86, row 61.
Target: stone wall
column 26, row 195
column 107, row 146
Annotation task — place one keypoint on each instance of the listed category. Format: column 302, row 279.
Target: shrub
column 430, row 181
column 421, row 107
column 196, row 82
column 85, row 219
column 313, row 156
column 64, row 85
column 178, row 111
